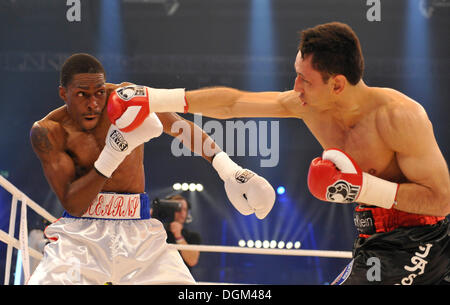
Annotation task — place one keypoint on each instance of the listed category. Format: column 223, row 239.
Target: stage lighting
column 281, row 190
column 177, row 186
column 241, row 243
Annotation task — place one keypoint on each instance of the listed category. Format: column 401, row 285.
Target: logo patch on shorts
column 117, row 141
column 364, row 222
column 342, row 191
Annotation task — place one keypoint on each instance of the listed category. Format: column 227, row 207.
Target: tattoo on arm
column 39, row 138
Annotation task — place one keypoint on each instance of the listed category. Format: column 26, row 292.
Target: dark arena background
column 245, row 44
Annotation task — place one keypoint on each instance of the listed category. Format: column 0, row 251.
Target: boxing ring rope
column 22, row 243
column 242, row 250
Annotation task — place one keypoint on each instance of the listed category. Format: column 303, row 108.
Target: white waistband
column 117, row 206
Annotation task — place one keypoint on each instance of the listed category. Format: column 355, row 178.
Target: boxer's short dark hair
column 79, row 63
column 335, row 49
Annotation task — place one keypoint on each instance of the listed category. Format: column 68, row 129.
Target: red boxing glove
column 129, row 106
column 337, row 178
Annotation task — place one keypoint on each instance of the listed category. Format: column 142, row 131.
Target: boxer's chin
column 90, row 123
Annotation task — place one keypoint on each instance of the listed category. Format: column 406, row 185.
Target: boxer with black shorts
column 379, row 152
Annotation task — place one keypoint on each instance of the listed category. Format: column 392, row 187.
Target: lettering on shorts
column 364, row 222
column 418, row 264
column 114, row 206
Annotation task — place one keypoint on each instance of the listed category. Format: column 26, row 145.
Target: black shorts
column 404, row 256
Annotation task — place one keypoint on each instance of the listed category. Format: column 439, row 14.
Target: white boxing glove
column 120, row 144
column 248, row 192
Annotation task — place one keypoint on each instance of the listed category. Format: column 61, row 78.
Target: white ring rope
column 242, row 250
column 21, row 196
column 4, row 237
column 17, row 195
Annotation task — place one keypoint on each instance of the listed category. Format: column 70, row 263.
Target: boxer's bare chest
column 85, row 147
column 361, row 141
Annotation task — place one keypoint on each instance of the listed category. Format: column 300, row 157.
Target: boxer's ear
column 63, row 93
column 339, row 83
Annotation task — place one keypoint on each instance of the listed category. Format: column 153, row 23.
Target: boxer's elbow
column 225, row 113
column 222, row 112
column 74, row 211
column 442, row 200
column 73, row 208
column 445, row 200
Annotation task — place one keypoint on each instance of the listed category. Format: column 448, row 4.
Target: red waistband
column 371, row 220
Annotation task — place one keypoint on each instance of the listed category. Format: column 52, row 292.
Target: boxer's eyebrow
column 303, row 77
column 87, row 87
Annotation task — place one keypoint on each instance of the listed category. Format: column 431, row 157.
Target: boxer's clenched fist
column 248, row 192
column 336, row 177
column 129, row 106
column 120, row 144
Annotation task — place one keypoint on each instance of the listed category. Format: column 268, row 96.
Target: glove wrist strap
column 108, row 161
column 167, row 100
column 377, row 191
column 224, row 166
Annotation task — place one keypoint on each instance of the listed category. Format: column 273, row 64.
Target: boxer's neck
column 352, row 104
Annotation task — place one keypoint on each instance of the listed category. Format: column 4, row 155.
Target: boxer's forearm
column 225, row 103
column 418, row 199
column 206, row 148
column 190, row 135
column 81, row 192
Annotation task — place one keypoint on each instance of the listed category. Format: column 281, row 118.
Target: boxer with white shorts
column 113, row 242
column 96, row 169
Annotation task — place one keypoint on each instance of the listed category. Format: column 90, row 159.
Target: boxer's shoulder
column 399, row 118
column 48, row 133
column 395, row 108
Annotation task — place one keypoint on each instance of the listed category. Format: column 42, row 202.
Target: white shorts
column 98, row 251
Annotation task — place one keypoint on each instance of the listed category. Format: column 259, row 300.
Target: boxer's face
column 85, row 97
column 313, row 91
column 180, row 216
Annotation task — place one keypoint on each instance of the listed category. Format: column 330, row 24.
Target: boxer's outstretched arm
column 247, row 191
column 225, row 103
column 47, row 139
column 187, row 132
column 406, row 129
column 216, row 102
